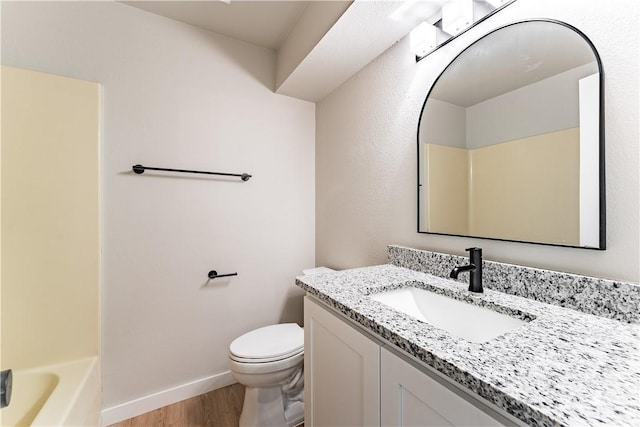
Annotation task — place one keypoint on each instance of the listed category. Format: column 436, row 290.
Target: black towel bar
column 139, row 169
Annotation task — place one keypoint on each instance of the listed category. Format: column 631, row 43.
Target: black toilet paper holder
column 214, row 274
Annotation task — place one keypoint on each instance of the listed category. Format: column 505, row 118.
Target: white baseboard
column 130, row 409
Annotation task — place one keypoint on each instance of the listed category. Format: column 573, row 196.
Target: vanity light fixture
column 452, row 19
column 496, row 3
column 457, row 16
column 423, row 39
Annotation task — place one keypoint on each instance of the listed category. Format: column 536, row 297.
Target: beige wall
column 366, row 150
column 467, row 191
column 50, row 218
column 447, row 200
column 528, row 189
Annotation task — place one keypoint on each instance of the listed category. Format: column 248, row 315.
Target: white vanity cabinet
column 410, row 397
column 341, row 372
column 352, row 379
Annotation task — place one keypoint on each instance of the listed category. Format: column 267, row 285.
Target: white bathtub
column 65, row 394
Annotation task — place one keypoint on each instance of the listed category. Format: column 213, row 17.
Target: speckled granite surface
column 607, row 298
column 562, row 368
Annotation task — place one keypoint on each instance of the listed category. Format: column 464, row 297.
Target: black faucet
column 474, row 268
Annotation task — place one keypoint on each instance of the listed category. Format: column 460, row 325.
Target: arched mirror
column 510, row 140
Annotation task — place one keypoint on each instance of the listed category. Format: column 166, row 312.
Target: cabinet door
column 341, row 371
column 410, row 397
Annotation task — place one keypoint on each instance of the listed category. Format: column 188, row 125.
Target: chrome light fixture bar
column 454, row 18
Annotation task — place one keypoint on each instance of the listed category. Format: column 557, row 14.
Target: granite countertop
column 562, row 367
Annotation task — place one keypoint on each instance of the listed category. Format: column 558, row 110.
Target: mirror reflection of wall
column 509, row 140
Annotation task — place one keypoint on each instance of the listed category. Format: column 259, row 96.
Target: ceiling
column 262, row 23
column 511, row 58
column 319, row 43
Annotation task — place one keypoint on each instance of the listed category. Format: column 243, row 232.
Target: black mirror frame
column 602, row 183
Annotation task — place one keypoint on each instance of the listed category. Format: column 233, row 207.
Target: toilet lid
column 269, row 342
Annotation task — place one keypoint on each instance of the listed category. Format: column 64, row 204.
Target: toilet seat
column 264, row 359
column 256, row 368
column 268, row 344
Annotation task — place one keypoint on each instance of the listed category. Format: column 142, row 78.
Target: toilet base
column 294, row 414
column 264, row 406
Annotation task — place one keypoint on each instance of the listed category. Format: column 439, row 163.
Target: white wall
column 176, row 96
column 554, row 102
column 589, row 89
column 314, row 22
column 366, row 150
column 445, row 124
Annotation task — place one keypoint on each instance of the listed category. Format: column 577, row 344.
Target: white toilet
column 269, row 363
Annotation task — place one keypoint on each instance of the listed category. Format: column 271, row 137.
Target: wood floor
column 219, row 408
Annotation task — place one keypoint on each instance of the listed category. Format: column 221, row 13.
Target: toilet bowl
column 268, row 361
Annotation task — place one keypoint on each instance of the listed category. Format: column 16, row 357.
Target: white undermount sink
column 468, row 321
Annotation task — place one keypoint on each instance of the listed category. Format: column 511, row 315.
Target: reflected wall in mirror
column 510, row 140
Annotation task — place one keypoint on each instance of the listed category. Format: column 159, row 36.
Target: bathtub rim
column 73, row 379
